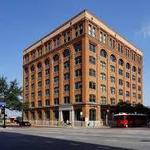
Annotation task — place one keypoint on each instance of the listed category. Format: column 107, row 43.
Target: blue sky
column 24, row 22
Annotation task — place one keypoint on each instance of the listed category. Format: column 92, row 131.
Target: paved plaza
column 74, row 139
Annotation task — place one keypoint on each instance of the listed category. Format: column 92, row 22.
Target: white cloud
column 145, row 31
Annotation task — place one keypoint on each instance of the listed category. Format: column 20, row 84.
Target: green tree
column 10, row 92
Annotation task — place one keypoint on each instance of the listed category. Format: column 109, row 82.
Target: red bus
column 130, row 120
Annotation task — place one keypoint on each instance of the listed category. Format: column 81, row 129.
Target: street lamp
column 107, row 111
column 81, row 115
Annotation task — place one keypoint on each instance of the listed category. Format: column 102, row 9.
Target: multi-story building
column 81, row 65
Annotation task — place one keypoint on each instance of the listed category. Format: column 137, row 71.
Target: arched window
column 134, row 69
column 112, row 58
column 127, row 65
column 92, row 114
column 56, row 57
column 66, row 53
column 47, row 62
column 103, row 53
column 26, row 70
column 121, row 62
column 39, row 65
column 32, row 68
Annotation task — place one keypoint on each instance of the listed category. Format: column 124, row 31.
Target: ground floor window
column 92, row 114
column 33, row 115
column 47, row 114
column 39, row 115
column 78, row 114
column 56, row 114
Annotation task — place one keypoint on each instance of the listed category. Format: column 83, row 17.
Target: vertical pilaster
column 51, row 82
column 43, row 83
column 36, row 86
column 72, row 75
column 85, row 68
column 61, row 86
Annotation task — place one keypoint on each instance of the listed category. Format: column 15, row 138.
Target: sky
column 24, row 22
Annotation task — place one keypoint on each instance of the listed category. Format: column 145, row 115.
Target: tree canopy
column 10, row 92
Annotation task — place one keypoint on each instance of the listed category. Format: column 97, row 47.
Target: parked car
column 24, row 123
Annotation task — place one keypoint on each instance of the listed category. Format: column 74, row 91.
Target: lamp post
column 107, row 111
column 81, row 115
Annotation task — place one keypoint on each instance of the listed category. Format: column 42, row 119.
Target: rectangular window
column 120, row 82
column 78, row 85
column 112, row 68
column 103, row 88
column 66, row 88
column 78, row 47
column 56, row 101
column 56, row 68
column 103, row 100
column 92, row 60
column 67, row 36
column 56, row 90
column 66, row 100
column 92, row 72
column 112, row 79
column 112, row 89
column 47, row 82
column 120, row 71
column 127, row 75
column 56, row 79
column 66, row 76
column 92, row 30
column 120, row 92
column 103, row 65
column 66, row 64
column 78, row 30
column 47, row 92
column 78, row 98
column 47, row 103
column 78, row 60
column 92, row 47
column 103, row 76
column 127, row 93
column 127, row 84
column 92, row 98
column 78, row 73
column 92, row 85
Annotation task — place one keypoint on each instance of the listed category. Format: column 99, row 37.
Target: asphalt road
column 74, row 139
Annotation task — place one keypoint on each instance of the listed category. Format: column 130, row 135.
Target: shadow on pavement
column 15, row 141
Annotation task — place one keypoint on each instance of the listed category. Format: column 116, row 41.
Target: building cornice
column 85, row 14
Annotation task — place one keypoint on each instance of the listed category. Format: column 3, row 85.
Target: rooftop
column 88, row 15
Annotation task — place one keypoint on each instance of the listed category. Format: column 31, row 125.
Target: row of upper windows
column 78, row 98
column 92, row 72
column 92, row 85
column 78, row 60
column 103, row 53
column 54, row 43
column 113, row 44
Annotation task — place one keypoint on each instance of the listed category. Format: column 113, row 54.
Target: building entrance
column 66, row 116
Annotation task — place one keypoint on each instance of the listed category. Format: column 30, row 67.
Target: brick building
column 81, row 65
